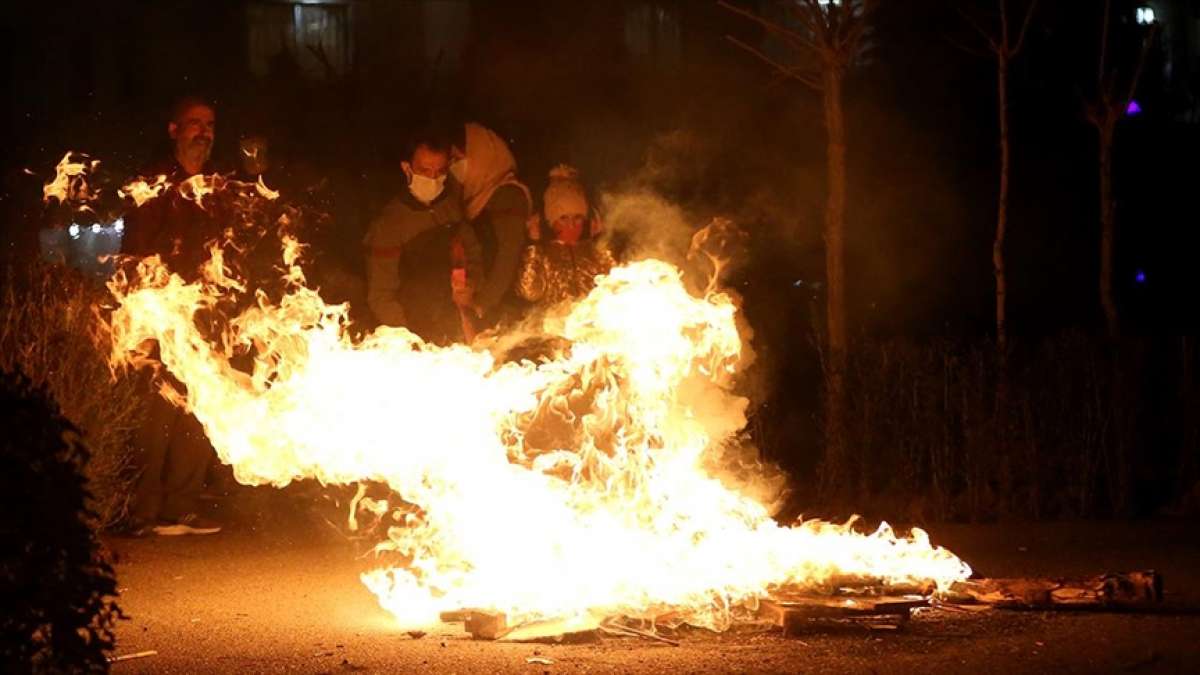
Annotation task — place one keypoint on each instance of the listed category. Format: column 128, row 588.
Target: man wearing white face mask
column 423, row 259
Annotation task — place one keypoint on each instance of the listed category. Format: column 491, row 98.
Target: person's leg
column 186, row 468
column 152, row 441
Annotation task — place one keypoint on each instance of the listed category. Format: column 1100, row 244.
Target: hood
column 490, row 164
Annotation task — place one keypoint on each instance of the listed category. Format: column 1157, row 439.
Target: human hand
column 464, row 297
column 461, row 290
column 534, row 226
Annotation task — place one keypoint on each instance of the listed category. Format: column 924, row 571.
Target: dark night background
column 651, row 94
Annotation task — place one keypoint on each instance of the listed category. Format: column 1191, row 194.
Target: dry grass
column 48, row 331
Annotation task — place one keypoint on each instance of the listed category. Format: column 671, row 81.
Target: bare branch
column 1141, row 65
column 853, row 37
column 973, row 51
column 769, row 25
column 809, row 13
column 793, row 72
column 1004, row 41
column 1103, row 45
column 987, row 37
column 1025, row 27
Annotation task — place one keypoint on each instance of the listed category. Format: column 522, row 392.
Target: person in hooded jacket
column 423, row 259
column 498, row 206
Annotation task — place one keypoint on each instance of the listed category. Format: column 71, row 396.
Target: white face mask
column 459, row 169
column 426, row 189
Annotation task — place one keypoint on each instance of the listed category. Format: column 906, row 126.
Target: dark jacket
column 173, row 226
column 410, row 258
column 501, row 229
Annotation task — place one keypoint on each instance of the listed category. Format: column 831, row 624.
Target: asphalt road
column 267, row 598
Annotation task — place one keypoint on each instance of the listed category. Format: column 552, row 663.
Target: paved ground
column 288, row 599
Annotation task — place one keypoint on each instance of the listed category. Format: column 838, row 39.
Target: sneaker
column 189, row 524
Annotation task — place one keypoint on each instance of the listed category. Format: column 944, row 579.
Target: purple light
column 1140, row 277
column 1133, row 109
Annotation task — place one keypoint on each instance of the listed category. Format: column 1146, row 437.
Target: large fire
column 569, row 489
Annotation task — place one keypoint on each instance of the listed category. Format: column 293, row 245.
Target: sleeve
column 531, row 282
column 384, row 247
column 474, row 252
column 507, row 211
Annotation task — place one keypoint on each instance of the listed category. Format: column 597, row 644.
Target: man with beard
column 173, row 225
column 175, row 450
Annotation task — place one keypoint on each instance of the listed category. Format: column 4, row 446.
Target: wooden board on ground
column 481, row 624
column 796, row 612
column 1125, row 591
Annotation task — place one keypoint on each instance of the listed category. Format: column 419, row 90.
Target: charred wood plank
column 481, row 624
column 1129, row 590
column 795, row 612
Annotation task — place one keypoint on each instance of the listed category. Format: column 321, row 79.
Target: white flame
column 612, row 512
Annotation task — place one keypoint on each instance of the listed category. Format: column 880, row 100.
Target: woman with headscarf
column 565, row 257
column 498, row 207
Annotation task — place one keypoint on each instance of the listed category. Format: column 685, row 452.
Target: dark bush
column 56, row 586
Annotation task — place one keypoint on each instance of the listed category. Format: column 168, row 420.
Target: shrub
column 56, row 587
column 49, row 332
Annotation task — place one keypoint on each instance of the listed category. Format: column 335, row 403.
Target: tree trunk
column 836, row 455
column 1002, row 211
column 1002, row 457
column 1108, row 226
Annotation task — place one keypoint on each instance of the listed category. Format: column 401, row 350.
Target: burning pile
column 572, row 489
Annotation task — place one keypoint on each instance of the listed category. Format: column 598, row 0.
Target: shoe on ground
column 191, row 523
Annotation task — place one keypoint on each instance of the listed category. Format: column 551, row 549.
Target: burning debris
column 622, row 521
column 570, row 496
column 1128, row 591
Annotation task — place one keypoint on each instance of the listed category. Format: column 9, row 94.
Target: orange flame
column 264, row 191
column 612, row 512
column 199, row 186
column 141, row 190
column 70, row 179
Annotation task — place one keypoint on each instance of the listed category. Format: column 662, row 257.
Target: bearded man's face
column 193, row 132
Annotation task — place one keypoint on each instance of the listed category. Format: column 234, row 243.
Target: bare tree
column 1003, row 47
column 1104, row 111
column 824, row 38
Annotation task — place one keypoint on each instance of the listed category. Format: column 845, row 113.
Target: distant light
column 1133, row 109
column 96, row 228
column 1140, row 277
column 74, row 230
column 119, row 225
column 1145, row 16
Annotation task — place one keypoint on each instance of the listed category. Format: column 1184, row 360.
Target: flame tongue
column 70, row 184
column 570, row 489
column 141, row 190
